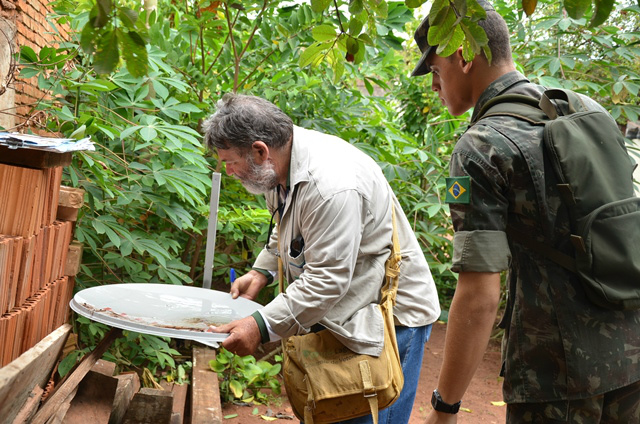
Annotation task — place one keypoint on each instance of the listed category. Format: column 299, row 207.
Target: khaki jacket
column 340, row 203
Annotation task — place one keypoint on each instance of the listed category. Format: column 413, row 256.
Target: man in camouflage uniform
column 564, row 358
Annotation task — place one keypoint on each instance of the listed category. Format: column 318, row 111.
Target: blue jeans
column 411, row 346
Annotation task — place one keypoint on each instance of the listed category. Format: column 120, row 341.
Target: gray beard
column 261, row 178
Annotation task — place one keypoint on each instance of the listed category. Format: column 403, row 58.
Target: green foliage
column 111, row 29
column 243, row 378
column 600, row 62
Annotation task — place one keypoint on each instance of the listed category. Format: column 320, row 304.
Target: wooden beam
column 34, row 158
column 205, row 392
column 128, row 386
column 34, row 367
column 63, row 390
column 179, row 400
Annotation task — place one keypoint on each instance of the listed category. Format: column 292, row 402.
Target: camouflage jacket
column 557, row 344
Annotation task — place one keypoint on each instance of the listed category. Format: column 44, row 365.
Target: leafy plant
column 243, row 378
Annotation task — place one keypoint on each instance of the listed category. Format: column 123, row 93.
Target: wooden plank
column 59, row 414
column 32, row 368
column 128, row 386
column 150, row 406
column 64, row 389
column 30, row 406
column 34, row 158
column 179, row 400
column 205, row 392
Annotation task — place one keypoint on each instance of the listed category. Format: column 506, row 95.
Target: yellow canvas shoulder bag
column 326, row 382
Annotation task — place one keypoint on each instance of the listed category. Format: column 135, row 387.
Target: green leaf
column 128, row 17
column 323, row 33
column 312, row 53
column 338, row 70
column 103, row 12
column 29, row 72
column 602, row 10
column 450, row 45
column 413, row 4
column 134, row 53
column 319, row 6
column 356, row 6
column 28, row 55
column 107, row 55
column 236, row 388
column 441, row 31
column 68, row 363
column 617, row 87
column 355, row 26
column 353, row 46
column 148, row 133
column 576, row 8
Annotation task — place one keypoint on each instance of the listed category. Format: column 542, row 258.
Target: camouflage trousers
column 614, row 407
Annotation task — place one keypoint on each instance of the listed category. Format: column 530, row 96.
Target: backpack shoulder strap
column 571, row 98
column 516, row 105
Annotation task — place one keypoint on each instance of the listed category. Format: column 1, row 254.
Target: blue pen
column 232, row 275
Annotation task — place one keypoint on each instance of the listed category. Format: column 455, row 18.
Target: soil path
column 485, row 388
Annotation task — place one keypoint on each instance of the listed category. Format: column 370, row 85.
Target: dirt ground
column 485, row 388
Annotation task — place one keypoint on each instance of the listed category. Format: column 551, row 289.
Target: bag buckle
column 370, row 393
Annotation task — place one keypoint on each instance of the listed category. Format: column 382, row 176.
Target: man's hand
column 435, row 417
column 244, row 336
column 249, row 285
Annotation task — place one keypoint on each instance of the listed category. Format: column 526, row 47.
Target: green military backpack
column 595, row 179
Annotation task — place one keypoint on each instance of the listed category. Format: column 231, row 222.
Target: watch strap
column 441, row 406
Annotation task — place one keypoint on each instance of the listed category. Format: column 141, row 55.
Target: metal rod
column 211, row 231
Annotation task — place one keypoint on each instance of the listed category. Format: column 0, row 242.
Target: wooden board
column 32, row 368
column 205, row 392
column 34, row 158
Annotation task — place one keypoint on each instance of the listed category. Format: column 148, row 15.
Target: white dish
column 180, row 312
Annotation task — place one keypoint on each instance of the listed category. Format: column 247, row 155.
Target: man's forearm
column 471, row 320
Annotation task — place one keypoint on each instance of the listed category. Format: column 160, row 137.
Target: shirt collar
column 497, row 87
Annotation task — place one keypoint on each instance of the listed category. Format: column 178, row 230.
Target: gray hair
column 241, row 120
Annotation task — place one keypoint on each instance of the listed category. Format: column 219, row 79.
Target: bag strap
column 392, row 265
column 369, row 389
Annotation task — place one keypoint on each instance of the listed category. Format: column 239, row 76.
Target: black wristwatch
column 441, row 406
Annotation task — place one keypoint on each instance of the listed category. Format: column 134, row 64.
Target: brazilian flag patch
column 458, row 189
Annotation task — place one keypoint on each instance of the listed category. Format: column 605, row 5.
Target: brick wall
column 28, row 18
